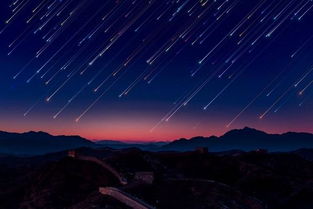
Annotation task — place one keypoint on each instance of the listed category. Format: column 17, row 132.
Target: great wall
column 113, row 192
column 125, row 198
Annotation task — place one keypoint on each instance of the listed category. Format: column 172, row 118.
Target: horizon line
column 152, row 141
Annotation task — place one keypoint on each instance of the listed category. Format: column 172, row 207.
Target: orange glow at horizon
column 131, row 130
column 134, row 126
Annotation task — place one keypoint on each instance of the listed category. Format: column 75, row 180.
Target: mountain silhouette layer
column 245, row 139
column 36, row 143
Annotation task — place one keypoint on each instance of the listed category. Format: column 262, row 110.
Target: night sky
column 155, row 70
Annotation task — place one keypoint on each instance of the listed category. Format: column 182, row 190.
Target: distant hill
column 37, row 143
column 109, row 142
column 150, row 146
column 245, row 139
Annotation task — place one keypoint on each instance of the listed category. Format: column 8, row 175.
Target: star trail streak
column 103, row 48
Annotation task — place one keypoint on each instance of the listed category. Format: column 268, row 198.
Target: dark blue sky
column 155, row 70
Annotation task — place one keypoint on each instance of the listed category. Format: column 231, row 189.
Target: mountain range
column 246, row 139
column 38, row 143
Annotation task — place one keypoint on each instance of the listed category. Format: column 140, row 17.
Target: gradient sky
column 263, row 69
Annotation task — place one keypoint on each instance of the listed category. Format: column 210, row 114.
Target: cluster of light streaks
column 154, row 33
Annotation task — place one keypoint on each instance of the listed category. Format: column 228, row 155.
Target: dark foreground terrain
column 167, row 180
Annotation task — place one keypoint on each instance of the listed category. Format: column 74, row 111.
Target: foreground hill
column 189, row 180
column 37, row 143
column 245, row 139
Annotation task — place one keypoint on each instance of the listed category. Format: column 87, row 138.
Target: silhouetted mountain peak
column 34, row 143
column 245, row 132
column 202, row 138
column 37, row 134
column 246, row 139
